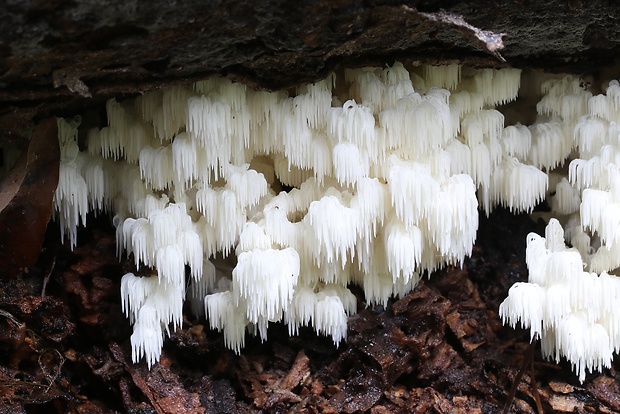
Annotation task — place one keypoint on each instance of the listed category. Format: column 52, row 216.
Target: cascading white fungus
column 385, row 187
column 516, row 141
column 447, row 76
column 403, row 248
column 332, row 229
column 265, row 281
column 567, row 306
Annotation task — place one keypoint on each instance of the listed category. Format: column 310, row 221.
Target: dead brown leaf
column 298, row 372
column 161, row 387
column 607, row 391
column 26, row 196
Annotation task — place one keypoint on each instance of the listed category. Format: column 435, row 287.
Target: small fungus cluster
column 371, row 177
column 571, row 299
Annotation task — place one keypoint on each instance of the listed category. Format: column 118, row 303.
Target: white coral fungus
column 385, row 187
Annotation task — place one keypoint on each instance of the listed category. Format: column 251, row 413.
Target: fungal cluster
column 371, row 177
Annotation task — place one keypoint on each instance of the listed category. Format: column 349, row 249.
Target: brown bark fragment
column 26, row 196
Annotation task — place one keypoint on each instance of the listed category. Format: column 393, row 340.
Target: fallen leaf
column 26, row 196
column 298, row 372
column 566, row 404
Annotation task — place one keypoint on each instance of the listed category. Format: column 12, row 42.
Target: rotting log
column 58, row 57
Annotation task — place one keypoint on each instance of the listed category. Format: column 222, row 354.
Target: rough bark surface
column 56, row 57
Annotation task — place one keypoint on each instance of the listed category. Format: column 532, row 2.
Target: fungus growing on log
column 385, row 188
